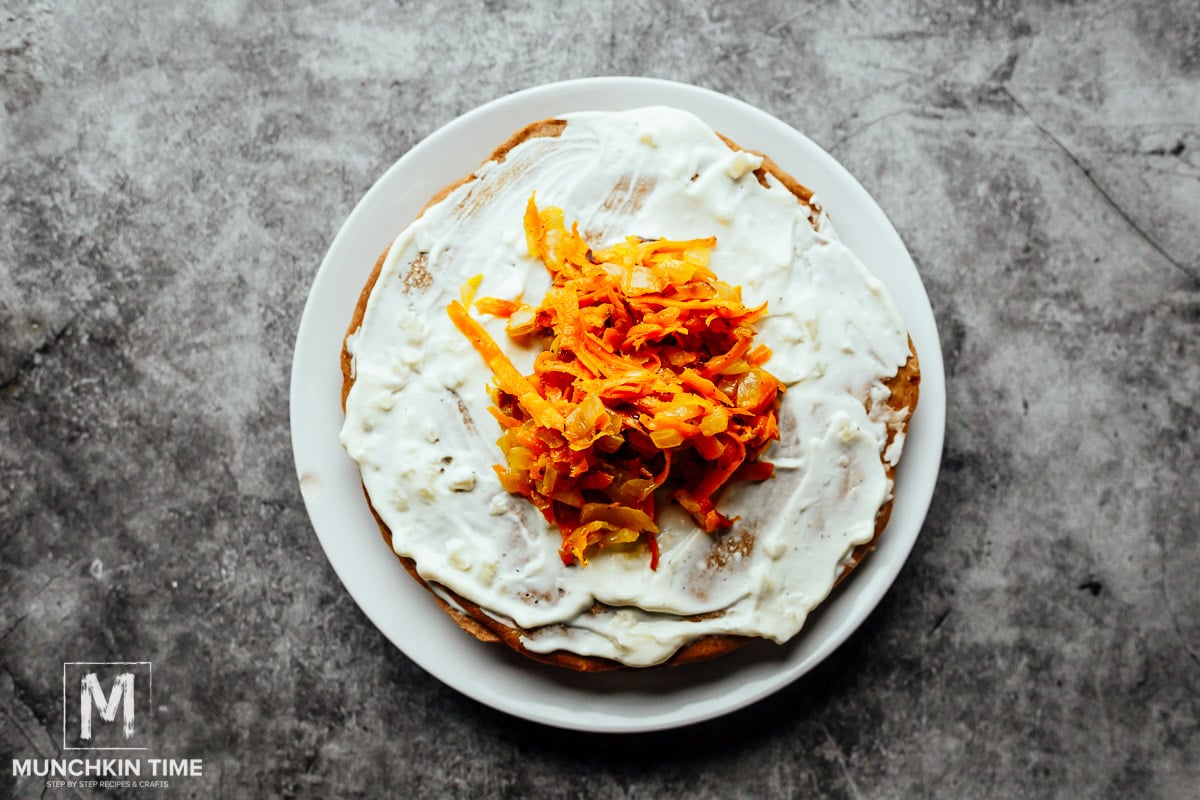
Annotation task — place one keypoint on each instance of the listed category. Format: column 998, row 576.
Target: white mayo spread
column 418, row 427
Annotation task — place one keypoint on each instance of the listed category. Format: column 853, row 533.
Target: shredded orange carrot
column 650, row 380
column 497, row 307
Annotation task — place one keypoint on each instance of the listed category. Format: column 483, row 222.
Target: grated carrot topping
column 650, row 380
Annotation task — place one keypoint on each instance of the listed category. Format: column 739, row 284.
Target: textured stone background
column 171, row 175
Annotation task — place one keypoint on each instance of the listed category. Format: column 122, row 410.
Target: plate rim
column 919, row 478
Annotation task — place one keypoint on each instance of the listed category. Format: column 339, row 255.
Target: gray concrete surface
column 171, row 175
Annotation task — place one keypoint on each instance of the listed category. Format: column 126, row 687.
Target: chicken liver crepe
column 416, row 399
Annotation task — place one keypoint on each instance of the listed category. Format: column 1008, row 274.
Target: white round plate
column 627, row 701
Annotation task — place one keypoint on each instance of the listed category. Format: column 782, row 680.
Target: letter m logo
column 92, row 696
column 111, row 708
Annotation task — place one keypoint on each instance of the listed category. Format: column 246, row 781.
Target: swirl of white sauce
column 418, row 427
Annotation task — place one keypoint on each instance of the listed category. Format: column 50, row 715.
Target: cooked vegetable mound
column 650, row 379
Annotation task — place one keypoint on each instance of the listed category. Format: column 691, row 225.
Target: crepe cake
column 415, row 393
